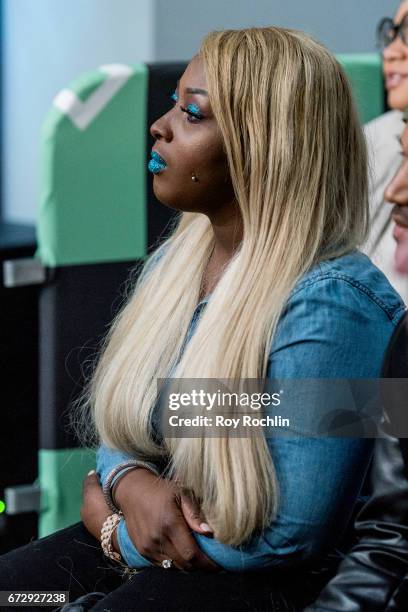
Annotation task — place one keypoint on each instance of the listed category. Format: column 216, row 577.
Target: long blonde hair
column 297, row 161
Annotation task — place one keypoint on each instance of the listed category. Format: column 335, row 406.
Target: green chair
column 366, row 77
column 97, row 217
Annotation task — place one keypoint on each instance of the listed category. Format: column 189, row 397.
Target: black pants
column 72, row 560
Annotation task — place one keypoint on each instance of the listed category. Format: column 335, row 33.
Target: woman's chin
column 401, row 256
column 160, row 191
column 166, row 200
column 398, row 97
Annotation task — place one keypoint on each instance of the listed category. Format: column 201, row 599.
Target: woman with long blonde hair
column 263, row 155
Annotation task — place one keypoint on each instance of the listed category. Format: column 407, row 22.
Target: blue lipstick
column 157, row 163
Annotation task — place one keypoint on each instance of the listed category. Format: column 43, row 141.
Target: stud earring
column 193, row 177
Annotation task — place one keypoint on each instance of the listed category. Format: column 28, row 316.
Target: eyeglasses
column 387, row 31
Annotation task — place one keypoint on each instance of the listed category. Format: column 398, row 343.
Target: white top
column 384, row 159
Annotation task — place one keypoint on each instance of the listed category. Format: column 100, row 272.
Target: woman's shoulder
column 337, row 321
column 384, row 121
column 382, row 129
column 383, row 150
column 351, row 281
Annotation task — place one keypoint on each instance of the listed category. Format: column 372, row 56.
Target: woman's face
column 395, row 65
column 397, row 193
column 190, row 144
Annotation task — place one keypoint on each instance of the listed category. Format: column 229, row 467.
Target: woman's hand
column 193, row 516
column 94, row 509
column 155, row 511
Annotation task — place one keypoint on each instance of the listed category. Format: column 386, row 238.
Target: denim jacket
column 336, row 324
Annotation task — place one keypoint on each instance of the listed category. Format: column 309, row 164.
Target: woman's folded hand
column 159, row 519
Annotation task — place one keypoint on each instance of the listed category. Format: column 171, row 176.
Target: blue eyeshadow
column 194, row 108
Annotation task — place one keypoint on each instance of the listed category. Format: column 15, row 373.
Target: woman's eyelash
column 192, row 109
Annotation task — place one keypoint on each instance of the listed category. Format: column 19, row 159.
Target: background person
column 383, row 134
column 374, row 576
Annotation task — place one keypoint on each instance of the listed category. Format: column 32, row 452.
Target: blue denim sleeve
column 108, row 458
column 329, row 329
column 128, row 550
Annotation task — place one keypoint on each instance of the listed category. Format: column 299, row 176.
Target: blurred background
column 59, row 296
column 48, row 43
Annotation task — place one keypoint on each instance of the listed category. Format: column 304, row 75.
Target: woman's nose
column 395, row 50
column 397, row 191
column 161, row 128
